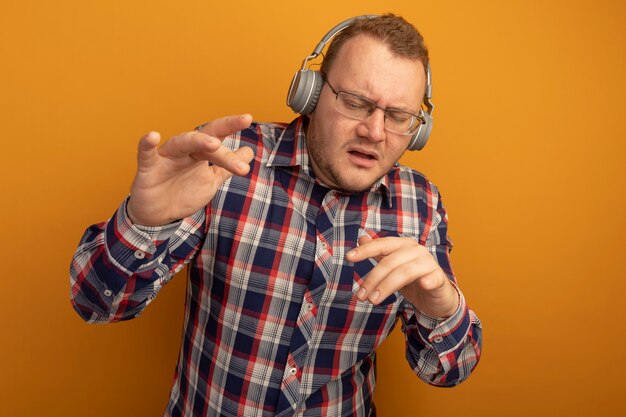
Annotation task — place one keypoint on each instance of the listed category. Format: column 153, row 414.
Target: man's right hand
column 174, row 181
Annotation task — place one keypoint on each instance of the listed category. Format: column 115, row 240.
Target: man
column 305, row 242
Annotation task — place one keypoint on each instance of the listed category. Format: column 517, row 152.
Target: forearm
column 119, row 268
column 442, row 352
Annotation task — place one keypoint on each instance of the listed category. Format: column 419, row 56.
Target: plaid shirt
column 272, row 325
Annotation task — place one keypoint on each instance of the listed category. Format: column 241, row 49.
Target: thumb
column 364, row 239
column 147, row 149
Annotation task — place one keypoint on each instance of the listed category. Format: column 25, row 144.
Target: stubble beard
column 323, row 165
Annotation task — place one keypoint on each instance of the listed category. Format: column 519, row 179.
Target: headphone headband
column 335, row 30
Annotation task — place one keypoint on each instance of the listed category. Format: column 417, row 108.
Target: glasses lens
column 401, row 122
column 354, row 106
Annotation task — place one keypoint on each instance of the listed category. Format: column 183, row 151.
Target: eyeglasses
column 360, row 108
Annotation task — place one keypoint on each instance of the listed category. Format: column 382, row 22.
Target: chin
column 356, row 187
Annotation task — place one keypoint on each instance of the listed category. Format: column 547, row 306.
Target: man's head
column 380, row 59
column 399, row 35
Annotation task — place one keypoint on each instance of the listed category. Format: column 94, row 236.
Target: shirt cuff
column 446, row 334
column 155, row 233
column 133, row 247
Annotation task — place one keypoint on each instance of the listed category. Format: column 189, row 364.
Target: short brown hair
column 402, row 38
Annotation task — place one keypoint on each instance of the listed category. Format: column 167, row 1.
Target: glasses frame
column 372, row 108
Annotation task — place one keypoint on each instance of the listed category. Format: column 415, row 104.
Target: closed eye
column 399, row 116
column 355, row 103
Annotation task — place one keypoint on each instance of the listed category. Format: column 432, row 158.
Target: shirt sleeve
column 119, row 267
column 442, row 352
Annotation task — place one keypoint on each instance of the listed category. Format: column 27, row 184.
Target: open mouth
column 362, row 158
column 362, row 155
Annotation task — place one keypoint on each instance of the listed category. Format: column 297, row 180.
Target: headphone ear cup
column 304, row 91
column 423, row 133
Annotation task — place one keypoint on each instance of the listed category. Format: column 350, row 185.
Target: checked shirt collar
column 290, row 152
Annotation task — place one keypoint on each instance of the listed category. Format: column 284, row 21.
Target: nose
column 373, row 127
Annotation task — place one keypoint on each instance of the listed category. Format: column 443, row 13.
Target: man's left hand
column 405, row 266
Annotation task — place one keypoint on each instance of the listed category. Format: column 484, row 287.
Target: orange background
column 528, row 149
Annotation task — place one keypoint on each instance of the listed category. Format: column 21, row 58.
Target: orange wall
column 528, row 149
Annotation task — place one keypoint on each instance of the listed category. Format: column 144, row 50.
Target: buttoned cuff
column 155, row 233
column 133, row 247
column 441, row 334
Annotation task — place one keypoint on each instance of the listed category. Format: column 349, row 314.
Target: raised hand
column 405, row 266
column 175, row 180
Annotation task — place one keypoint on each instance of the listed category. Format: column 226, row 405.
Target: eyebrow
column 402, row 109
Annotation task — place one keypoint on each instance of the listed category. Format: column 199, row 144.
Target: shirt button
column 438, row 339
column 139, row 254
column 309, row 306
column 293, row 371
column 108, row 293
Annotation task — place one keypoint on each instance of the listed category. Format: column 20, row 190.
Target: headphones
column 306, row 86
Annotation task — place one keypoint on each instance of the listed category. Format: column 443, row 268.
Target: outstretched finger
column 191, row 144
column 389, row 273
column 227, row 159
column 374, row 248
column 236, row 163
column 225, row 126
